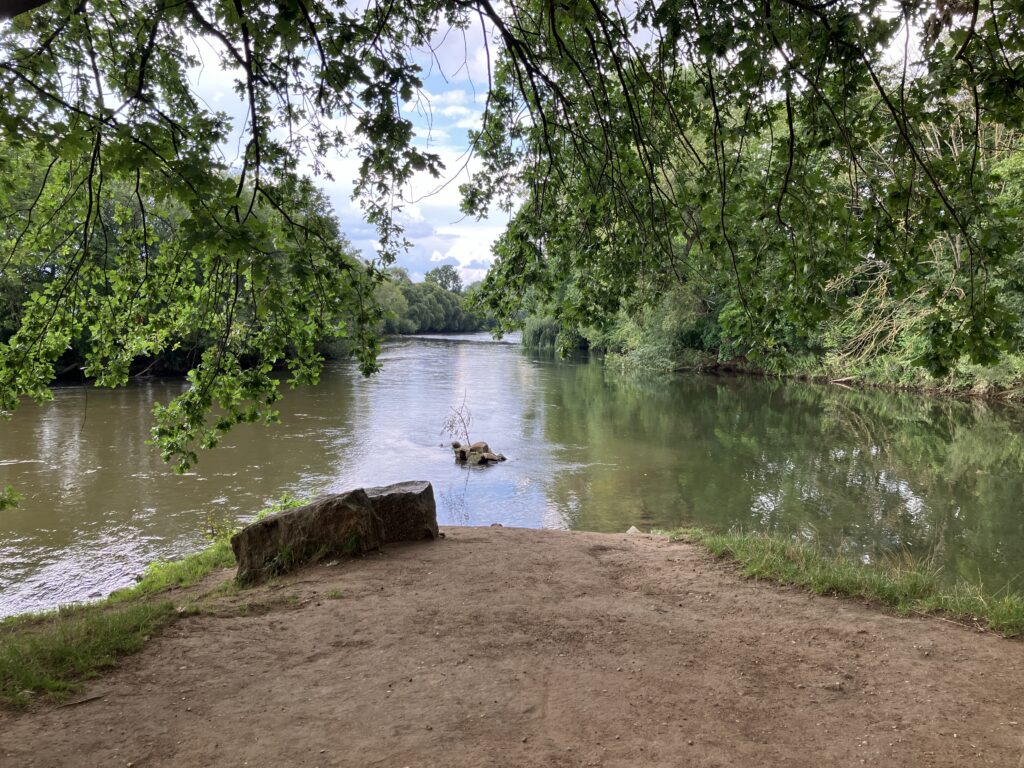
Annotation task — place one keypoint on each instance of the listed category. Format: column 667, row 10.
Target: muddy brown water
column 869, row 474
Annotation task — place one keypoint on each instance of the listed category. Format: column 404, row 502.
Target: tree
column 768, row 153
column 649, row 108
column 445, row 276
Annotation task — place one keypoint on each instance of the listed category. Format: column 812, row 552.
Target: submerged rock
column 347, row 523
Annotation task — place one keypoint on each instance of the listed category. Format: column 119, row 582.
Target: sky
column 450, row 104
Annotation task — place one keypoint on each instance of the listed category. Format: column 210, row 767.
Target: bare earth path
column 502, row 647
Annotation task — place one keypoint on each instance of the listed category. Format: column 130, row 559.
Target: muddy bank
column 508, row 647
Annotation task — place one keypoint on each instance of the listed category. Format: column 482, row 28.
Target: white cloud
column 456, row 110
column 469, row 123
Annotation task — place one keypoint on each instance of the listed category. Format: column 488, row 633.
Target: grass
column 164, row 575
column 904, row 585
column 50, row 654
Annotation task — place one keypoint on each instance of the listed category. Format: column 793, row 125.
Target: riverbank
column 1002, row 383
column 500, row 646
column 995, row 384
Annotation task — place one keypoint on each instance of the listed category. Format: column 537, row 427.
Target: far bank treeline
column 436, row 305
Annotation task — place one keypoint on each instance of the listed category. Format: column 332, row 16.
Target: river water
column 870, row 474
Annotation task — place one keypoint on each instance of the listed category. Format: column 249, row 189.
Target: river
column 870, row 474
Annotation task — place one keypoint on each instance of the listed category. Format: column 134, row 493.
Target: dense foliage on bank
column 858, row 315
column 827, row 189
column 438, row 304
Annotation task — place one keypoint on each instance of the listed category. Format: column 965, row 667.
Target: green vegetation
column 679, row 331
column 782, row 197
column 541, row 333
column 438, row 304
column 908, row 587
column 50, row 653
column 761, row 182
column 9, row 497
column 164, row 575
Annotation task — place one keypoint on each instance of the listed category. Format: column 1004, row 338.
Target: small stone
column 632, row 529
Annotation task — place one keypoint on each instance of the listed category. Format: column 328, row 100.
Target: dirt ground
column 505, row 647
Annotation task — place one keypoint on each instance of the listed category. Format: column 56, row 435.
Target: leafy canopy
column 779, row 155
column 637, row 134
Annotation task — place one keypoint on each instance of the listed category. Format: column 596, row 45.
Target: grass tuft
column 178, row 574
column 906, row 585
column 51, row 653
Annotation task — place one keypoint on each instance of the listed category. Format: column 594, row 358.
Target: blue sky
column 452, row 99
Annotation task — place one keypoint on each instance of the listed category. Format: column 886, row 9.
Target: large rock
column 406, row 510
column 347, row 523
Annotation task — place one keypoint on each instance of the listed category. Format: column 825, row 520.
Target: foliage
column 426, row 307
column 445, row 276
column 101, row 120
column 9, row 497
column 769, row 157
column 150, row 280
column 50, row 655
column 177, row 574
column 541, row 332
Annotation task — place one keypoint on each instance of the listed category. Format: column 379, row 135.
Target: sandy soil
column 503, row 647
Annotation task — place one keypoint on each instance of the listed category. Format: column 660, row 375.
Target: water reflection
column 866, row 473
